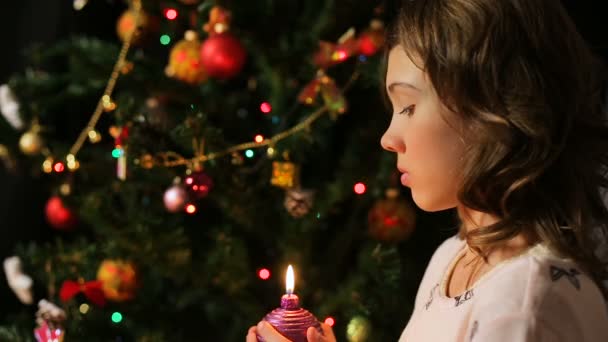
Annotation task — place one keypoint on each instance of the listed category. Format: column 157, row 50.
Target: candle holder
column 290, row 320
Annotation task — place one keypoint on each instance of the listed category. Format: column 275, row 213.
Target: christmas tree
column 195, row 155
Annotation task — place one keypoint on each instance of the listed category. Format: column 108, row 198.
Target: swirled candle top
column 290, row 302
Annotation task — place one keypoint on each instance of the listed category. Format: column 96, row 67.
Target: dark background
column 28, row 21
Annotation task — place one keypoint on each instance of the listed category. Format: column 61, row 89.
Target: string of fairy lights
column 172, row 159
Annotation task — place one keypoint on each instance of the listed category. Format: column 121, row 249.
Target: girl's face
column 429, row 151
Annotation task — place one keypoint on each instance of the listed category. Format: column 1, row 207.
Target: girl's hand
column 267, row 331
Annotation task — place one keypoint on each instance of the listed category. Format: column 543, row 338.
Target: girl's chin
column 429, row 204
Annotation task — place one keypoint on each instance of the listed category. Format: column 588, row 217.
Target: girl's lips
column 405, row 178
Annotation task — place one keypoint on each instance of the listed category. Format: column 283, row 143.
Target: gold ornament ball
column 185, row 60
column 31, row 143
column 358, row 329
column 118, row 278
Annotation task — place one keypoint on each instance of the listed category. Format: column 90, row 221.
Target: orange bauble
column 118, row 278
column 391, row 219
column 185, row 60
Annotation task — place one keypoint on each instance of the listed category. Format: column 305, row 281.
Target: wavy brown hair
column 528, row 93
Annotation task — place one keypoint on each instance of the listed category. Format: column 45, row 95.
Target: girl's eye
column 409, row 110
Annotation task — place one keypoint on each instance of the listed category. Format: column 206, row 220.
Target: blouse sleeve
column 566, row 308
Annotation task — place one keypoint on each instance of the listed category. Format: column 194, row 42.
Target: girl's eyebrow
column 401, row 84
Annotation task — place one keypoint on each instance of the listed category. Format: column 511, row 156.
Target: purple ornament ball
column 175, row 198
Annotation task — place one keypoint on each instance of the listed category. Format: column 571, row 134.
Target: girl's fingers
column 269, row 334
column 251, row 335
column 314, row 336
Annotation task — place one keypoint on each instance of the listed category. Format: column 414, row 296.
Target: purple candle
column 290, row 320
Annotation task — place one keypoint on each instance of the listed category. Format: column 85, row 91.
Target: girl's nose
column 393, row 143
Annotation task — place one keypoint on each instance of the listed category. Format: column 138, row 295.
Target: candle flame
column 289, row 280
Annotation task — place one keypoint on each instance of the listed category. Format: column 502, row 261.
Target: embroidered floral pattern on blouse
column 428, row 302
column 474, row 330
column 557, row 273
column 464, row 297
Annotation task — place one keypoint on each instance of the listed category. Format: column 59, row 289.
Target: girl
column 497, row 112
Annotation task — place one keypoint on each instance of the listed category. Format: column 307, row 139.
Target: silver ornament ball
column 175, row 198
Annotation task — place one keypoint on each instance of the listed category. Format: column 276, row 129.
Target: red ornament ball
column 198, row 184
column 222, row 55
column 184, row 60
column 58, row 216
column 391, row 220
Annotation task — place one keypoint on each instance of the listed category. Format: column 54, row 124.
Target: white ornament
column 9, row 107
column 48, row 311
column 79, row 4
column 19, row 282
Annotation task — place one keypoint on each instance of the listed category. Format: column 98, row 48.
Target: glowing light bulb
column 47, row 165
column 270, row 151
column 264, row 274
column 259, row 138
column 190, row 209
column 58, row 167
column 360, row 188
column 117, row 152
column 116, row 317
column 94, row 136
column 165, row 39
column 170, row 13
column 340, row 55
column 330, row 321
column 84, row 308
column 265, row 107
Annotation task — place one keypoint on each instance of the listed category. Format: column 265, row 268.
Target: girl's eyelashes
column 409, row 110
